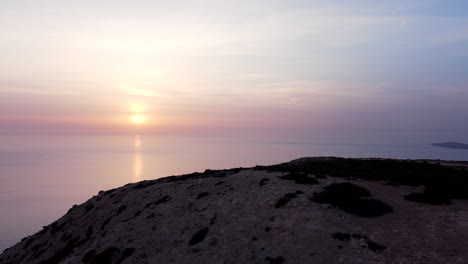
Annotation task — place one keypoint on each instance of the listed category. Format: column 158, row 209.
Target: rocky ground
column 314, row 210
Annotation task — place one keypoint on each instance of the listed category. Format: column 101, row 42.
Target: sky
column 280, row 68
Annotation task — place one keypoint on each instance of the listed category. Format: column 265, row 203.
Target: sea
column 42, row 176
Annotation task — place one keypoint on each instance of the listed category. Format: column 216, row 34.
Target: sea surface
column 42, row 176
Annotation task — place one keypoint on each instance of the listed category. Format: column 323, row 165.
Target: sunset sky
column 273, row 67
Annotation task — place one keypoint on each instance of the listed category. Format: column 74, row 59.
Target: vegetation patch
column 433, row 196
column 341, row 236
column 299, row 178
column 285, row 200
column 452, row 180
column 352, row 199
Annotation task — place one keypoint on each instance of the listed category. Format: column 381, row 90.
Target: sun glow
column 138, row 119
column 137, row 108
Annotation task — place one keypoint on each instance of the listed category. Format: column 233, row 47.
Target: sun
column 137, row 119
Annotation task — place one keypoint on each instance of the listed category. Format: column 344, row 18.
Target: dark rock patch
column 371, row 245
column 63, row 252
column 277, row 260
column 88, row 256
column 235, row 170
column 144, row 184
column 89, row 207
column 152, row 215
column 89, row 232
column 108, row 256
column 320, row 176
column 72, row 208
column 374, row 246
column 138, row 213
column 109, row 192
column 199, row 236
column 263, row 182
column 55, row 227
column 282, row 202
column 128, row 252
column 164, row 199
column 213, row 220
column 201, row 195
column 65, row 237
column 106, row 222
column 121, row 209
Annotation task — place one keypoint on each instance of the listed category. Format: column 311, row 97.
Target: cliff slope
column 311, row 210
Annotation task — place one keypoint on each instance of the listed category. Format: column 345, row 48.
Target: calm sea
column 41, row 177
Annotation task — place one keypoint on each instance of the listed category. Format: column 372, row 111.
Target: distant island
column 452, row 145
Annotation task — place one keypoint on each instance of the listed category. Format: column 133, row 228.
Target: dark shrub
column 394, row 172
column 282, row 202
column 349, row 190
column 341, row 236
column 285, row 200
column 348, row 197
column 299, row 178
column 366, row 208
column 429, row 197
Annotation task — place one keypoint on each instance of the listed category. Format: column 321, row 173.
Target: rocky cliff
column 312, row 210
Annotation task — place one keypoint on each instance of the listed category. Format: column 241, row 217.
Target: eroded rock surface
column 359, row 211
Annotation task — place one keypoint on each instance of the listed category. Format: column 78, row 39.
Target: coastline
column 192, row 217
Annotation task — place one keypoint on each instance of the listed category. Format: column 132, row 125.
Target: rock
column 258, row 215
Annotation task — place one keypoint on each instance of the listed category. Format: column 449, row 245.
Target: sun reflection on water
column 137, row 160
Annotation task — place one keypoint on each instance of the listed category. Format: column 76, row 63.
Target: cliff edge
column 310, row 210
